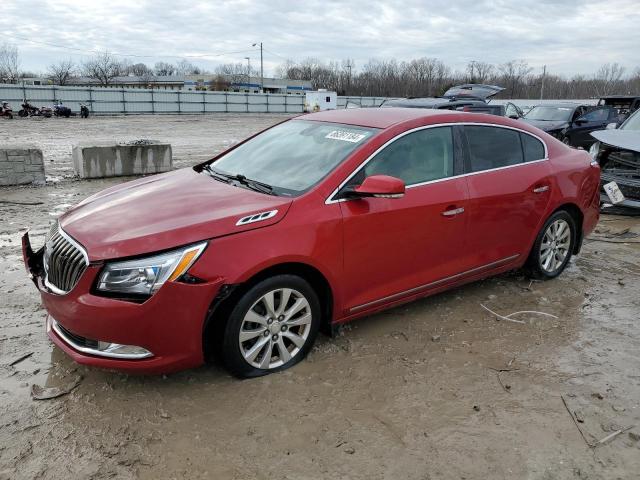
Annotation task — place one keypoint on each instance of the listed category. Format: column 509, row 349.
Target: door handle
column 453, row 212
column 541, row 189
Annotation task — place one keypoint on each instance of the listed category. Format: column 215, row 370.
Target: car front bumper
column 163, row 334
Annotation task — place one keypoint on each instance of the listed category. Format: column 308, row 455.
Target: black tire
column 233, row 356
column 536, row 261
column 22, row 113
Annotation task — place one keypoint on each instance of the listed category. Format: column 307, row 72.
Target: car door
column 396, row 247
column 596, row 119
column 509, row 185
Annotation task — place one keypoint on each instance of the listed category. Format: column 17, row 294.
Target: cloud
column 568, row 37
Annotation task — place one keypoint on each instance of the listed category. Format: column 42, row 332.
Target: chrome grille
column 64, row 261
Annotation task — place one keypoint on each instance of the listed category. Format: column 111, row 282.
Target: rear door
column 509, row 184
column 396, row 247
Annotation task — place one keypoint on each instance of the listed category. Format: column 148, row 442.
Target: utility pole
column 544, row 73
column 349, row 75
column 261, row 68
column 248, row 59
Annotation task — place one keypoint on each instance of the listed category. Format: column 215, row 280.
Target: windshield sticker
column 345, row 136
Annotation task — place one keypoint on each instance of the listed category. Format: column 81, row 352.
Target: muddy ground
column 412, row 393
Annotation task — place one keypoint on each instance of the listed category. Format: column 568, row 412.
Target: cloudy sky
column 569, row 37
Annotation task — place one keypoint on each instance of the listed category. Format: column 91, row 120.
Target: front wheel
column 553, row 247
column 22, row 113
column 272, row 327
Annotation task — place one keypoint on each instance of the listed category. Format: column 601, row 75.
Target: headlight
column 593, row 151
column 144, row 276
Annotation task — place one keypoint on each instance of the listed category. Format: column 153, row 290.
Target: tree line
column 421, row 77
column 425, row 77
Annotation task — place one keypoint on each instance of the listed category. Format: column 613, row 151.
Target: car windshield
column 558, row 114
column 295, row 155
column 632, row 123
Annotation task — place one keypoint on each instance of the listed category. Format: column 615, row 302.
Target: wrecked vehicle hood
column 546, row 125
column 475, row 90
column 626, row 139
column 164, row 211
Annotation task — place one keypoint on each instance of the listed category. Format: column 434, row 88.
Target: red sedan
column 314, row 222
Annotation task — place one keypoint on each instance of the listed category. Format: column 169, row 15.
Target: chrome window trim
column 329, row 200
column 82, row 250
column 435, row 283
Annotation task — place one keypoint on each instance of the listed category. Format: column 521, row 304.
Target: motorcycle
column 60, row 110
column 84, row 111
column 28, row 110
column 6, row 110
column 46, row 112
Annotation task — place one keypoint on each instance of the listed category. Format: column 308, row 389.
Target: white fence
column 110, row 101
column 114, row 101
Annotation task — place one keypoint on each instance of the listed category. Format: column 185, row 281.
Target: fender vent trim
column 256, row 217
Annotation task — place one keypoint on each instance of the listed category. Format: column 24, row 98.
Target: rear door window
column 492, row 147
column 532, row 148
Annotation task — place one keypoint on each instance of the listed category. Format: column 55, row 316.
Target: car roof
column 375, row 117
column 621, row 97
column 561, row 105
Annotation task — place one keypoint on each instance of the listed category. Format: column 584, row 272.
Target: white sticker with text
column 345, row 136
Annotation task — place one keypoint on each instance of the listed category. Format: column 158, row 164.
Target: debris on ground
column 47, row 393
column 20, row 359
column 510, row 319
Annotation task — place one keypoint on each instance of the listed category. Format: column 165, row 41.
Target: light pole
column 261, row 69
column 248, row 59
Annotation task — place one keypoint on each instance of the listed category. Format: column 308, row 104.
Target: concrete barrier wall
column 99, row 161
column 21, row 165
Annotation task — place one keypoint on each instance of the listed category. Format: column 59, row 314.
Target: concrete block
column 20, row 165
column 114, row 160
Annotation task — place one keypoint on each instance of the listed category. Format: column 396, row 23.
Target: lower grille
column 64, row 261
column 77, row 339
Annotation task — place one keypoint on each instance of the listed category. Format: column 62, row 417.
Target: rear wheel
column 272, row 327
column 553, row 247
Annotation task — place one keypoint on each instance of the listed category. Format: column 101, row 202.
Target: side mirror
column 611, row 126
column 378, row 186
column 579, row 121
column 514, row 116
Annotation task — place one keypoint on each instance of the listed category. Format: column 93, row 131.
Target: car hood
column 475, row 90
column 547, row 125
column 625, row 139
column 165, row 211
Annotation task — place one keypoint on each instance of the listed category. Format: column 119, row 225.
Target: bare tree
column 104, row 67
column 138, row 69
column 234, row 72
column 9, row 63
column 479, row 72
column 184, row 67
column 164, row 69
column 608, row 78
column 513, row 73
column 61, row 72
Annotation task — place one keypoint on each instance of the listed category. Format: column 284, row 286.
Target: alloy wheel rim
column 275, row 328
column 555, row 245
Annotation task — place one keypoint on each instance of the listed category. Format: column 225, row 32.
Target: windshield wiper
column 247, row 182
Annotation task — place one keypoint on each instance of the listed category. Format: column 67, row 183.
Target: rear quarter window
column 492, row 147
column 532, row 148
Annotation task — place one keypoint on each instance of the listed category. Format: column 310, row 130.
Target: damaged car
column 561, row 120
column 618, row 153
column 471, row 97
column 314, row 222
